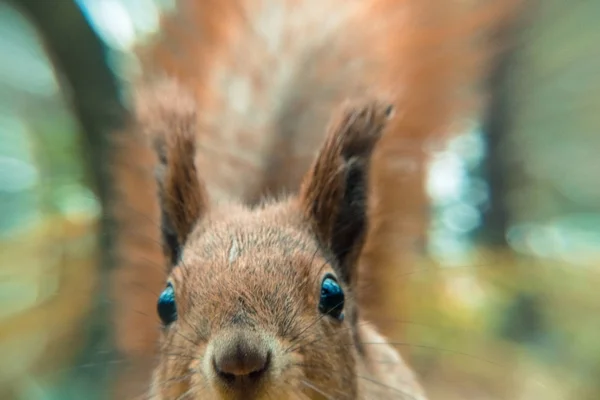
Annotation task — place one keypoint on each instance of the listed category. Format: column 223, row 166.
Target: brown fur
column 428, row 56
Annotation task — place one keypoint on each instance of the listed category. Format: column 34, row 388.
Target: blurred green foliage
column 518, row 322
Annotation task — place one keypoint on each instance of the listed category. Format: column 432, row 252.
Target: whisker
column 404, row 394
column 316, row 389
column 428, row 347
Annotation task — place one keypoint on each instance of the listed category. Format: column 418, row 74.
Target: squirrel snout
column 241, row 360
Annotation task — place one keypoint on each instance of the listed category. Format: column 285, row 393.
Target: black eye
column 332, row 298
column 167, row 309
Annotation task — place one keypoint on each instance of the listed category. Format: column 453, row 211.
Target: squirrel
column 260, row 301
column 267, row 294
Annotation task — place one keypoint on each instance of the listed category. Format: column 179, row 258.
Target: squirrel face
column 253, row 309
column 260, row 302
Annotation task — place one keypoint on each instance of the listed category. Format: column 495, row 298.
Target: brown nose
column 241, row 359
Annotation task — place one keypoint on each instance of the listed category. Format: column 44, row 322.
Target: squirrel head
column 260, row 302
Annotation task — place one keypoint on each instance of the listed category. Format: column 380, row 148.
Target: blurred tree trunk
column 496, row 127
column 90, row 87
column 79, row 56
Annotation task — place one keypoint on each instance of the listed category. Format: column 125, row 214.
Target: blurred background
column 504, row 302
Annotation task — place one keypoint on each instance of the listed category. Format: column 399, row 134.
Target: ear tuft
column 334, row 192
column 167, row 116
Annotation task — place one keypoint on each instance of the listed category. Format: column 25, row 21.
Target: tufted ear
column 167, row 115
column 334, row 193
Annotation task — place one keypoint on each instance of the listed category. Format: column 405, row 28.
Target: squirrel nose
column 241, row 359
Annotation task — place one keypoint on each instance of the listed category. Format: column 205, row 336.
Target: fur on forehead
column 235, row 236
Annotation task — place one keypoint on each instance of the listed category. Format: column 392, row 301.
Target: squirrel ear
column 168, row 116
column 334, row 193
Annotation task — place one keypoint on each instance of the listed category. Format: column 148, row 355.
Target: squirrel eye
column 167, row 309
column 332, row 298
